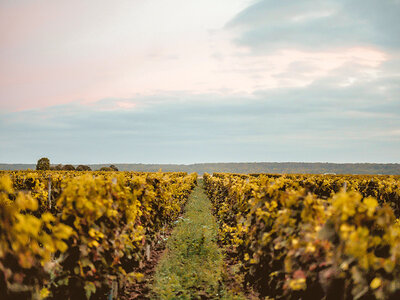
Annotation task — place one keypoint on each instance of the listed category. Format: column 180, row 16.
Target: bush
column 43, row 164
column 58, row 167
column 105, row 169
column 68, row 168
column 110, row 168
column 114, row 168
column 83, row 168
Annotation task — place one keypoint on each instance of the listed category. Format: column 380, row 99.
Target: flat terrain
column 245, row 168
column 192, row 266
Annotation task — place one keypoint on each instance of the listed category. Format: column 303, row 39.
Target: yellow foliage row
column 385, row 188
column 40, row 183
column 293, row 243
column 94, row 234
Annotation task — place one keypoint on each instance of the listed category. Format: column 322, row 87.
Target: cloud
column 64, row 51
column 134, row 48
column 319, row 122
column 282, row 81
column 268, row 25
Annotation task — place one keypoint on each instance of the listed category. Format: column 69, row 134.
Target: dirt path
column 142, row 290
column 192, row 266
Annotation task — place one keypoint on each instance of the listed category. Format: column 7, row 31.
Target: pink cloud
column 60, row 52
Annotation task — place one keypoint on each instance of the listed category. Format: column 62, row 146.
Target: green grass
column 193, row 266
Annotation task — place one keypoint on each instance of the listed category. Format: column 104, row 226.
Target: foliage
column 295, row 245
column 93, row 235
column 83, row 168
column 105, row 169
column 27, row 243
column 68, row 168
column 110, row 168
column 43, row 164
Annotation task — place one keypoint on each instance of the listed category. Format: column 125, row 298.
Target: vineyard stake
column 49, row 196
column 148, row 252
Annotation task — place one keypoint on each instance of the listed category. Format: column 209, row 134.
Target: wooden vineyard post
column 49, row 192
column 148, row 252
column 114, row 290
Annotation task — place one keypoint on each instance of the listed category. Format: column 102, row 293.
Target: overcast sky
column 185, row 81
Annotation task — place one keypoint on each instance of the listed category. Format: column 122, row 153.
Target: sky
column 185, row 81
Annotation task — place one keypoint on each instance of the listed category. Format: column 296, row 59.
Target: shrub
column 58, row 167
column 114, row 168
column 83, row 168
column 68, row 168
column 43, row 164
column 106, row 169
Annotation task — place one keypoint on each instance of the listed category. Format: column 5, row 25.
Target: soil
column 232, row 277
column 142, row 290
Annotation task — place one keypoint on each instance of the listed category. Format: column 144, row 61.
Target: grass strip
column 193, row 266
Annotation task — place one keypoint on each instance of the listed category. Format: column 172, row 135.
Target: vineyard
column 68, row 235
column 88, row 235
column 311, row 237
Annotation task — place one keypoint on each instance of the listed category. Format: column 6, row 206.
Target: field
column 135, row 235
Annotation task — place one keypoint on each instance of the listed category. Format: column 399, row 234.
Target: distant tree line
column 110, row 168
column 266, row 167
column 43, row 164
column 256, row 167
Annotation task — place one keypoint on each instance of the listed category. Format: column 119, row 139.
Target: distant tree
column 68, row 168
column 114, row 168
column 105, row 169
column 83, row 168
column 43, row 164
column 58, row 167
